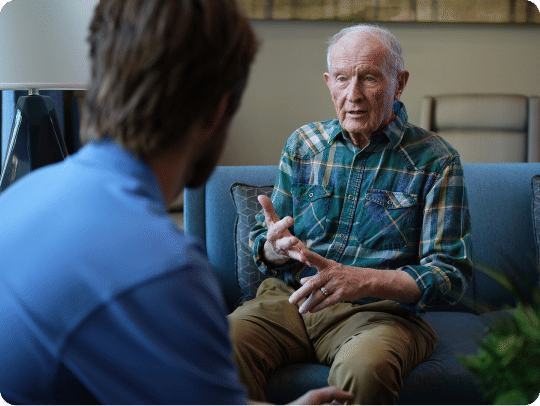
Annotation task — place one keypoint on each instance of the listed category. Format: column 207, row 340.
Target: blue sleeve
column 165, row 342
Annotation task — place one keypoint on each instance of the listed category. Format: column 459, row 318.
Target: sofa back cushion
column 503, row 239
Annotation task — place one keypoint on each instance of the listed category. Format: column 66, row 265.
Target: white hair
column 394, row 55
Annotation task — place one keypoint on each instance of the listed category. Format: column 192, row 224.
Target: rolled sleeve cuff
column 267, row 269
column 257, row 247
column 433, row 283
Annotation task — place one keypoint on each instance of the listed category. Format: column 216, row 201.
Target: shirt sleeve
column 445, row 266
column 165, row 342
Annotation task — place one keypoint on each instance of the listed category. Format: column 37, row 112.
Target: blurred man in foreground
column 102, row 298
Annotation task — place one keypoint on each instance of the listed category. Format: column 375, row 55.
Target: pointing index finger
column 269, row 211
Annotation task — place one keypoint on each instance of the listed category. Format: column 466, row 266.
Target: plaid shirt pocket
column 310, row 206
column 390, row 220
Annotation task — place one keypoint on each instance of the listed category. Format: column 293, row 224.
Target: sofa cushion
column 247, row 206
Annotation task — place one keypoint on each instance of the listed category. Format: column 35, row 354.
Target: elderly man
column 370, row 228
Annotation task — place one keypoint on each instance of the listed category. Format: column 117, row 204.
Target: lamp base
column 36, row 139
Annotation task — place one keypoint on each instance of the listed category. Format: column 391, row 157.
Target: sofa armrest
column 194, row 213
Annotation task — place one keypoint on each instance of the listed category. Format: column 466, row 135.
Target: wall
column 286, row 88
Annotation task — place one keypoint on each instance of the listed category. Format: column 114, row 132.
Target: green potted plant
column 508, row 358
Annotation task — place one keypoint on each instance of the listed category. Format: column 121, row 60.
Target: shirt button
column 311, row 195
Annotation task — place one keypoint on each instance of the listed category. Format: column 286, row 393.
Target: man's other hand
column 335, row 283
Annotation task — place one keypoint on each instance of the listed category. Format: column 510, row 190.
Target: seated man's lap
column 271, row 328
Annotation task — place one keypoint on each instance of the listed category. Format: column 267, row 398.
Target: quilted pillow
column 247, row 206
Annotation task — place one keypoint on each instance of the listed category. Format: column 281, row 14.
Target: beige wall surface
column 286, row 88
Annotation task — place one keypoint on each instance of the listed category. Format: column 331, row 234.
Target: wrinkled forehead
column 357, row 48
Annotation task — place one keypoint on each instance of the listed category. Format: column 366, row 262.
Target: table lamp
column 43, row 46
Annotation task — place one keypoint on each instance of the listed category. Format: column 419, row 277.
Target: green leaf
column 532, row 375
column 513, row 397
column 527, row 321
column 478, row 365
column 509, row 344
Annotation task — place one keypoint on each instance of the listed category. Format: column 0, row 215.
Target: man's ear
column 327, row 79
column 402, row 79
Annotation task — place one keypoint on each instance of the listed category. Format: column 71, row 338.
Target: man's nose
column 355, row 90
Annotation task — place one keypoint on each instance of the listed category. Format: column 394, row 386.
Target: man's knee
column 364, row 367
column 247, row 336
column 371, row 382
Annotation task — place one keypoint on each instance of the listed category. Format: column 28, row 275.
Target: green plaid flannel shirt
column 401, row 203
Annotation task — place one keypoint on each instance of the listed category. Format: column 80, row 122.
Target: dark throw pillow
column 247, row 206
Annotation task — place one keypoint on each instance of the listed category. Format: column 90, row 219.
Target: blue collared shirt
column 103, row 299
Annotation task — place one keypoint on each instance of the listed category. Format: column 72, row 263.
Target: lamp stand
column 36, row 138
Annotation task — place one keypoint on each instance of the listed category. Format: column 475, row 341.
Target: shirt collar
column 108, row 154
column 334, row 130
column 393, row 131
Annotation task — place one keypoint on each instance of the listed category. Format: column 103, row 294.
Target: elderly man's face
column 362, row 86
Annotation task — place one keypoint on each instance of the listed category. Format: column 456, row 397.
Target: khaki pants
column 370, row 348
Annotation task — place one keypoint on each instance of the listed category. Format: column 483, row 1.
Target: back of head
column 159, row 67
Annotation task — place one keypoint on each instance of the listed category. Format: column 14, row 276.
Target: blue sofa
column 500, row 199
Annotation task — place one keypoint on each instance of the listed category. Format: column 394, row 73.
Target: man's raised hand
column 280, row 244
